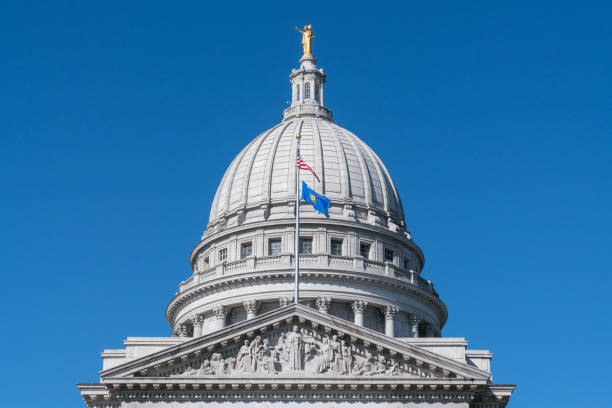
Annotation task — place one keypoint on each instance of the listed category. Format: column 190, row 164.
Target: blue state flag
column 319, row 202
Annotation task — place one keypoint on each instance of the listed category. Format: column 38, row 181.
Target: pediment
column 294, row 342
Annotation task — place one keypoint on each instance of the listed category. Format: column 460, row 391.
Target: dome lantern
column 307, row 84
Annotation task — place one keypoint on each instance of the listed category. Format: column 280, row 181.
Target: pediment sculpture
column 297, row 351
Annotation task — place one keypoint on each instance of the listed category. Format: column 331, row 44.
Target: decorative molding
column 359, row 306
column 323, row 304
column 391, row 312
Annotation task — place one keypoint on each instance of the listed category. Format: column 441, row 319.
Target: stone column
column 251, row 308
column 221, row 313
column 359, row 307
column 390, row 312
column 414, row 323
column 323, row 304
column 198, row 323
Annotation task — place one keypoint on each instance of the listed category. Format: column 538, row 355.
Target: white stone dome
column 357, row 263
column 351, row 174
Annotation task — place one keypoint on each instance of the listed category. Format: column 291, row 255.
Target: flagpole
column 296, row 294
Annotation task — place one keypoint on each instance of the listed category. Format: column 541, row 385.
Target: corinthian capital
column 197, row 321
column 250, row 306
column 221, row 311
column 359, row 306
column 284, row 300
column 390, row 312
column 323, row 304
column 414, row 323
column 181, row 330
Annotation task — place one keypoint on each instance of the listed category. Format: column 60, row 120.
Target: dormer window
column 297, row 92
column 307, row 90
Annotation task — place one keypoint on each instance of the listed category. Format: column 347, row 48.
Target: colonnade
column 194, row 326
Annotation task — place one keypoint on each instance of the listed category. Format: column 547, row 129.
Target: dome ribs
column 266, row 195
column 263, row 176
column 380, row 178
column 365, row 176
column 319, row 160
column 291, row 157
column 247, row 177
column 345, row 177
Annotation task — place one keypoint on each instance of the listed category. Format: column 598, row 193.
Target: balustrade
column 310, row 261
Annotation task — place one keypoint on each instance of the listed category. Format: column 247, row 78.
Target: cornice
column 224, row 283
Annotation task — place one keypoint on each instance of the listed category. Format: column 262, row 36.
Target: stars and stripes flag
column 301, row 164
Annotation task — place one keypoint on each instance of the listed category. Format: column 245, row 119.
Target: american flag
column 301, row 164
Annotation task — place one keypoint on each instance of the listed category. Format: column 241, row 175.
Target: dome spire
column 307, row 83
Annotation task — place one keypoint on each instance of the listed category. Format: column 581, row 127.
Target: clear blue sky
column 118, row 120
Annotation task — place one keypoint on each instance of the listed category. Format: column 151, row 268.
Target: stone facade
column 367, row 329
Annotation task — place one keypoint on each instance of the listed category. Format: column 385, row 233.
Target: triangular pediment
column 293, row 342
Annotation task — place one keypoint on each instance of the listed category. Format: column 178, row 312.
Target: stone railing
column 310, row 261
column 307, row 109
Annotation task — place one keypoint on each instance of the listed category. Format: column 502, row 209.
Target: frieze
column 295, row 350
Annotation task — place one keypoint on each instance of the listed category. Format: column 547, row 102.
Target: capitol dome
column 351, row 174
column 357, row 262
column 288, row 306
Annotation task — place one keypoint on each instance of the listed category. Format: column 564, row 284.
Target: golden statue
column 307, row 36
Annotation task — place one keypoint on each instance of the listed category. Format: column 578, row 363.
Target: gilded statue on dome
column 307, row 36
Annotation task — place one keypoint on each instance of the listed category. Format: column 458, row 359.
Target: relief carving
column 296, row 351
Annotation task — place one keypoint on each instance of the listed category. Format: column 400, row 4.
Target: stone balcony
column 320, row 262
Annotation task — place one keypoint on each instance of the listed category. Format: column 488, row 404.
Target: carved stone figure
column 345, row 358
column 322, row 361
column 217, row 364
column 267, row 358
column 335, row 354
column 253, row 351
column 243, row 359
column 205, row 369
column 365, row 367
column 281, row 347
column 378, row 367
column 295, row 349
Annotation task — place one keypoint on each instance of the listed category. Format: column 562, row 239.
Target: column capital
column 250, row 306
column 390, row 312
column 181, row 331
column 220, row 311
column 285, row 300
column 197, row 320
column 359, row 306
column 324, row 303
column 414, row 323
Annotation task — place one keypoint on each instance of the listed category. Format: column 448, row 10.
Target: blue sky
column 118, row 120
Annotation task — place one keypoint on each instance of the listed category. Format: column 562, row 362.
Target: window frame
column 269, row 246
column 369, row 254
column 388, row 250
column 222, row 251
column 243, row 245
column 300, row 246
column 339, row 240
column 307, row 90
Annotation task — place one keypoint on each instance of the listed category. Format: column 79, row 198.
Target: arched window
column 316, row 93
column 307, row 90
column 297, row 92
